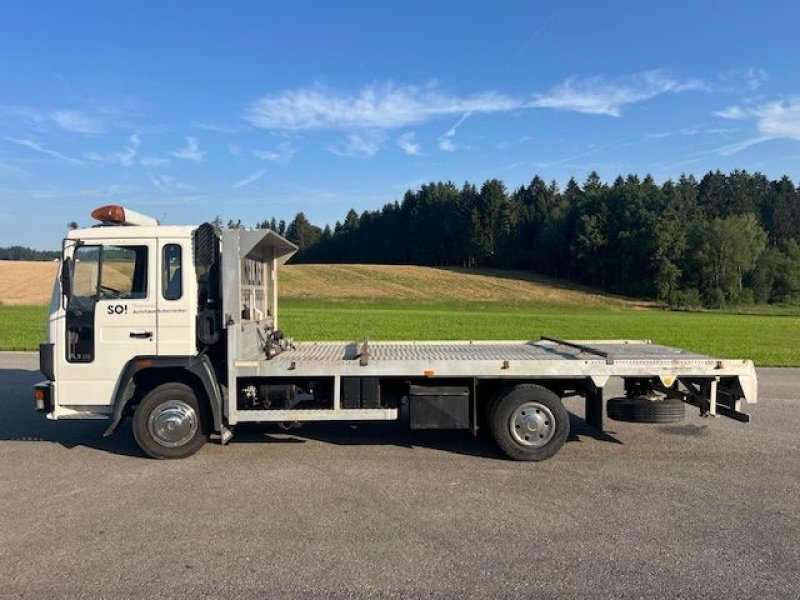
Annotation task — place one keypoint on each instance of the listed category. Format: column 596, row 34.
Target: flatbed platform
column 549, row 358
column 545, row 358
column 617, row 351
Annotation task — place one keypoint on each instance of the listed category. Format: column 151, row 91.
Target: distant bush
column 688, row 299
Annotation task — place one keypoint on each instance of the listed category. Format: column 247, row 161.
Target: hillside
column 28, row 282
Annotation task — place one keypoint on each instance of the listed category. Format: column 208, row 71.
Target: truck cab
column 136, row 305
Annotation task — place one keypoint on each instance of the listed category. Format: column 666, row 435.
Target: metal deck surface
column 483, row 351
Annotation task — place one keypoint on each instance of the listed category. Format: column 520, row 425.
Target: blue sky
column 248, row 110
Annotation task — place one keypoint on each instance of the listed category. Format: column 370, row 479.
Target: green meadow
column 768, row 339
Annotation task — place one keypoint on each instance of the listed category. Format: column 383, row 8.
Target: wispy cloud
column 358, row 145
column 25, row 116
column 126, row 157
column 75, row 121
column 736, row 80
column 510, row 143
column 407, row 144
column 169, row 185
column 599, row 96
column 220, row 127
column 377, row 106
column 7, row 170
column 446, row 141
column 44, row 150
column 774, row 120
column 389, row 106
column 154, row 161
column 736, row 113
column 691, row 132
column 191, row 151
column 250, row 179
column 282, row 154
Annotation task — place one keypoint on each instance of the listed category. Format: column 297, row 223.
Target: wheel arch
column 143, row 373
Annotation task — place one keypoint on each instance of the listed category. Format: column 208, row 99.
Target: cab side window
column 123, row 273
column 172, row 272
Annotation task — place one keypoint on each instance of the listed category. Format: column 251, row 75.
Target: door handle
column 140, row 334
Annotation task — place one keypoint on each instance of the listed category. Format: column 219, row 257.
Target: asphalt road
column 707, row 508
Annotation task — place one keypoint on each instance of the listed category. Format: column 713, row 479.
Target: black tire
column 643, row 410
column 529, row 422
column 170, row 404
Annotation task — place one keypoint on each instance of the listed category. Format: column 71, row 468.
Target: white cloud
column 407, row 144
column 731, row 112
column 599, row 96
column 735, row 80
column 44, row 150
column 191, row 151
column 219, row 127
column 378, row 106
column 282, row 154
column 30, row 118
column 446, row 142
column 390, row 106
column 690, row 132
column 780, row 119
column 250, row 179
column 753, row 78
column 358, row 145
column 128, row 154
column 7, row 170
column 774, row 120
column 154, row 161
column 76, row 122
column 169, row 185
column 126, row 157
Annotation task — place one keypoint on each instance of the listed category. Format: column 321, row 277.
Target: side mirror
column 66, row 278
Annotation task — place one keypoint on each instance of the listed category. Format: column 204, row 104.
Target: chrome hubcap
column 532, row 424
column 172, row 423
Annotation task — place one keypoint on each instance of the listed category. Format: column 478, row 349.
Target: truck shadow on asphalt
column 396, row 434
column 20, row 423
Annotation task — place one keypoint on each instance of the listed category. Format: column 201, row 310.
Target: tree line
column 25, row 253
column 725, row 239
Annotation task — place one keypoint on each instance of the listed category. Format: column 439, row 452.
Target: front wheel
column 168, row 423
column 529, row 422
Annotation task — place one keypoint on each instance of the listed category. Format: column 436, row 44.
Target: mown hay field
column 30, row 283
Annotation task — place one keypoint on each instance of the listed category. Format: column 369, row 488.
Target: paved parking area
column 704, row 508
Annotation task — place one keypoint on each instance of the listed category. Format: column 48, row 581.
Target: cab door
column 110, row 318
column 176, row 297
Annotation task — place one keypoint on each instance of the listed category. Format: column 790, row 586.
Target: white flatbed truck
column 177, row 327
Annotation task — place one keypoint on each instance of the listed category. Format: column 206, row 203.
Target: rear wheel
column 529, row 422
column 169, row 423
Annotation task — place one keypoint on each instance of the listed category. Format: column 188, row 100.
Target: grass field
column 22, row 327
column 349, row 302
column 768, row 340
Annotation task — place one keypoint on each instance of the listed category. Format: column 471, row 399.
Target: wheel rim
column 172, row 423
column 532, row 424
